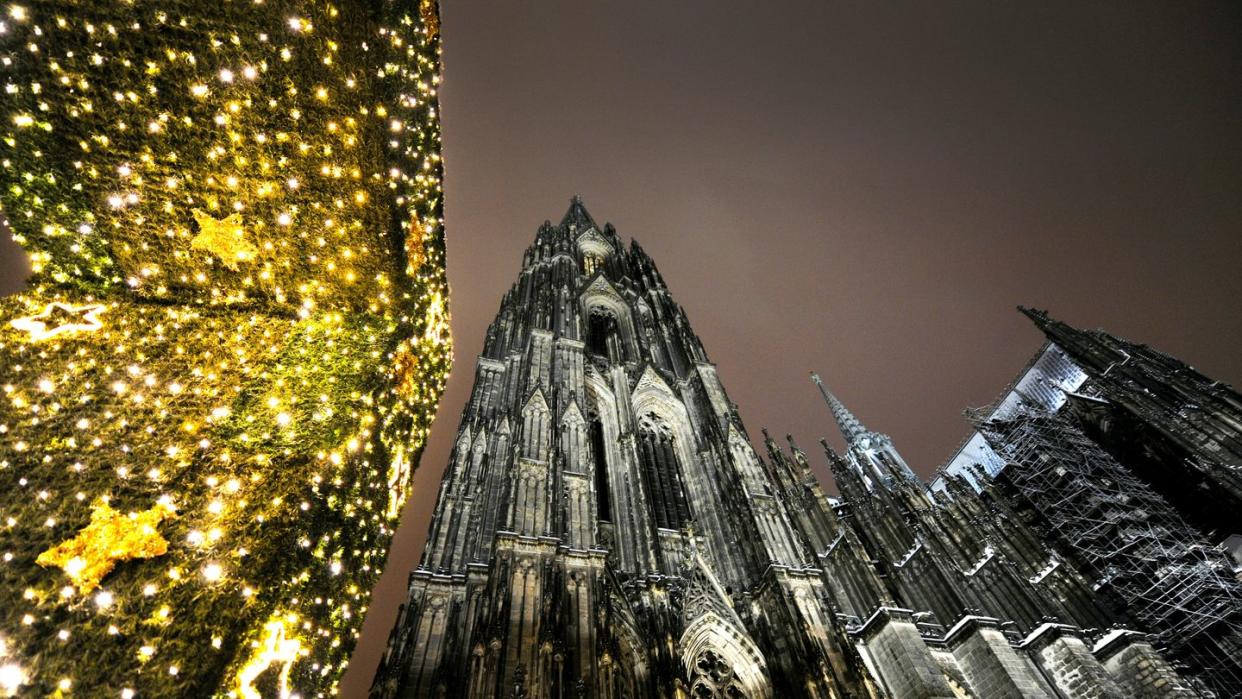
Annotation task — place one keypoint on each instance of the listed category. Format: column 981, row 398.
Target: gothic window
column 661, row 472
column 590, row 263
column 594, row 251
column 603, row 334
column 714, row 678
column 600, row 464
column 536, row 430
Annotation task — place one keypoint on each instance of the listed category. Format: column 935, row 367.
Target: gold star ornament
column 109, row 538
column 58, row 318
column 224, row 238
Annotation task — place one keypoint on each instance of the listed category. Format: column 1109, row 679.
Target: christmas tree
column 231, row 348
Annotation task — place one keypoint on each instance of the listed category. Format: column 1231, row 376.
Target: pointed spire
column 851, row 428
column 850, row 482
column 578, row 216
column 793, row 446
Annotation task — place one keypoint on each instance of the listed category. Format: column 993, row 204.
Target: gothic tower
column 603, row 500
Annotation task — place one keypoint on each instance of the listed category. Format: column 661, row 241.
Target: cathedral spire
column 577, row 216
column 851, row 428
column 872, row 453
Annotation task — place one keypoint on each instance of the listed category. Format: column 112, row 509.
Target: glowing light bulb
column 12, row 677
column 74, row 566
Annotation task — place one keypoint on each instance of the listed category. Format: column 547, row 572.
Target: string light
column 213, row 391
column 12, row 675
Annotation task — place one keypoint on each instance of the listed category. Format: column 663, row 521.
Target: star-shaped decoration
column 224, row 238
column 277, row 648
column 110, row 537
column 58, row 318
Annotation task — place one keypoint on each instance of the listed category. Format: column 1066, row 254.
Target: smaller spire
column 851, row 428
column 792, row 444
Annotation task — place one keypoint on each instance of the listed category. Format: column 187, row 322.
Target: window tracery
column 604, row 334
column 661, row 472
column 590, row 263
column 714, row 678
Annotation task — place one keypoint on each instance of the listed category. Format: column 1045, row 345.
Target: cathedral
column 605, row 528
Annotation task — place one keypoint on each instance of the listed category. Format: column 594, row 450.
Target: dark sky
column 864, row 189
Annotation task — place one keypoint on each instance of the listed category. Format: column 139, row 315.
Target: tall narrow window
column 602, row 333
column 600, row 464
column 590, row 263
column 661, row 473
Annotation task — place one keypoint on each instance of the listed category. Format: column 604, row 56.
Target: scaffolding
column 1159, row 570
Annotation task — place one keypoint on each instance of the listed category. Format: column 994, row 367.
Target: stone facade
column 605, row 528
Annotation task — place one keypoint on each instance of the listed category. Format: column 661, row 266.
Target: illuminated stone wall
column 226, row 363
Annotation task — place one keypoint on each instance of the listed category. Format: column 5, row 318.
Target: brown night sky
column 861, row 190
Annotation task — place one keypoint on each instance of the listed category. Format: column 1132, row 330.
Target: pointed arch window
column 661, row 472
column 536, row 431
column 591, row 262
column 604, row 334
column 594, row 250
column 599, row 457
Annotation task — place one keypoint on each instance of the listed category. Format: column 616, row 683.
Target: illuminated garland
column 236, row 335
